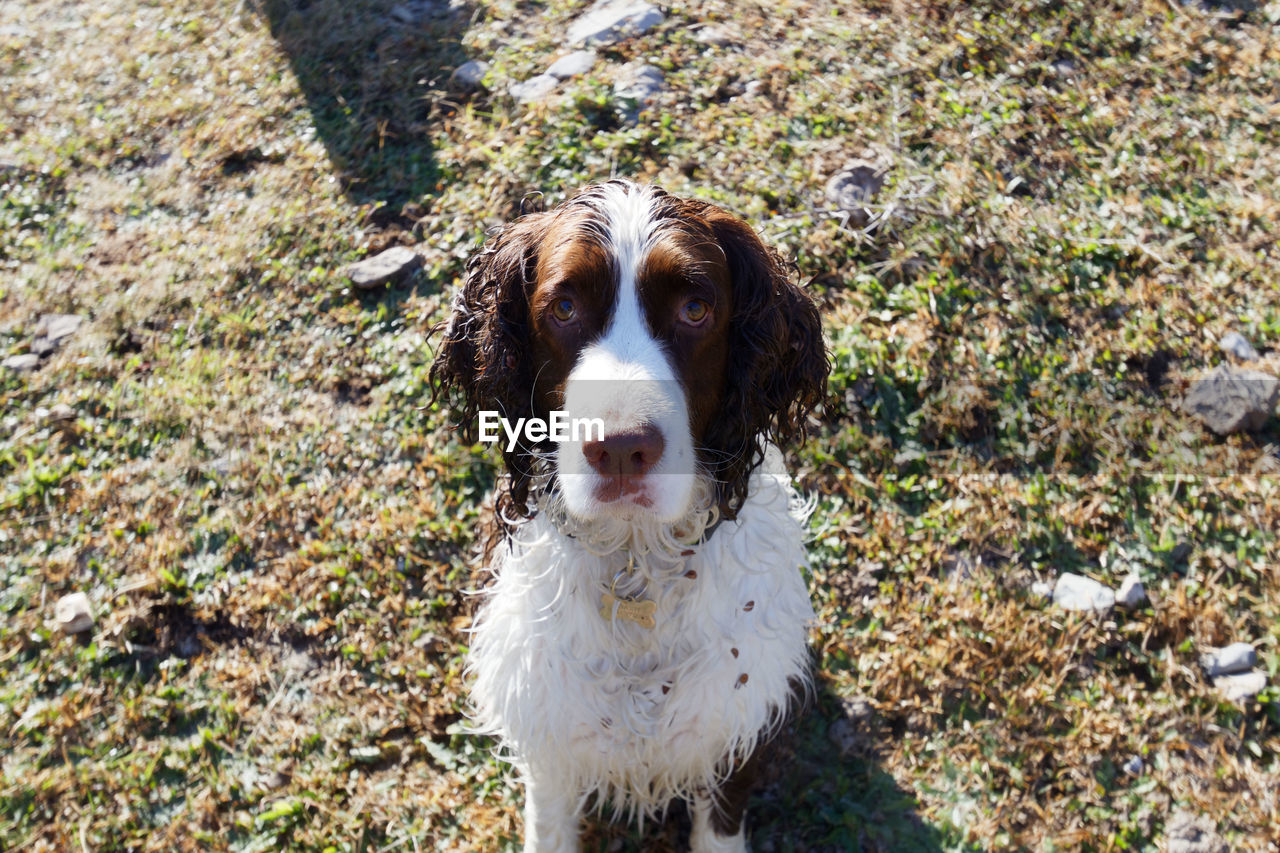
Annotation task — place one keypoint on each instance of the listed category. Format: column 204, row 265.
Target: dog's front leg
column 715, row 830
column 551, row 820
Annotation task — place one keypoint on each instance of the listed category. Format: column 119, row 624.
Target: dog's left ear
column 778, row 365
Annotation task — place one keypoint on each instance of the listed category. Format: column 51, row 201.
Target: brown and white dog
column 646, row 629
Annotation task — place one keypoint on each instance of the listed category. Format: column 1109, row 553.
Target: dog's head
column 665, row 321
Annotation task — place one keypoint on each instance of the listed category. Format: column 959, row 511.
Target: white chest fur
column 639, row 714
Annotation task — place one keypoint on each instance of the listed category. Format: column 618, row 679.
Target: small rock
column 470, row 75
column 855, row 186
column 1076, row 592
column 1131, row 594
column 1234, row 343
column 273, row 780
column 753, row 88
column 534, row 89
column 1064, row 68
column 578, row 62
column 298, row 664
column 21, row 363
column 1186, row 833
column 366, row 754
column 188, row 646
column 403, row 14
column 1237, row 657
column 415, row 11
column 850, row 731
column 73, row 613
column 1179, row 553
column 1242, row 686
column 1042, row 589
column 383, row 267
column 52, row 331
column 59, row 413
column 1230, row 400
column 61, row 418
column 636, row 87
column 611, row 21
column 1133, row 766
column 714, row 34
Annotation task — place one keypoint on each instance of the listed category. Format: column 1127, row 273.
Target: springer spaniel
column 646, row 631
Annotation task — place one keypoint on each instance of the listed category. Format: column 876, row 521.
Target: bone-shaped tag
column 639, row 612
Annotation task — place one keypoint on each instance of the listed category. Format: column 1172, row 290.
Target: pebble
column 1133, row 766
column 578, row 62
column 848, row 731
column 635, row 87
column 855, row 186
column 1230, row 400
column 59, row 413
column 1064, row 68
column 21, row 363
column 52, row 331
column 534, row 89
column 470, row 75
column 73, row 613
column 611, row 21
column 1187, row 833
column 1076, row 592
column 714, row 34
column 415, row 11
column 1234, row 343
column 383, row 267
column 1240, row 687
column 1237, row 657
column 1042, row 589
column 403, row 14
column 1131, row 594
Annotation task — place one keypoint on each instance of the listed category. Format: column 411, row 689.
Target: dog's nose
column 628, row 453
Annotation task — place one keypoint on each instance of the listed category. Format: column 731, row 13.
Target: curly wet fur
column 630, row 715
column 777, row 376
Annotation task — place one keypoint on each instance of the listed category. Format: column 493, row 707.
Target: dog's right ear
column 483, row 360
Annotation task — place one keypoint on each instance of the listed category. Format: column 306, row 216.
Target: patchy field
column 276, row 529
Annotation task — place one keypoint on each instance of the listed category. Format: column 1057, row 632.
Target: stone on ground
column 534, row 89
column 1077, row 592
column 572, row 65
column 611, row 21
column 73, row 613
column 1237, row 657
column 1234, row 343
column 391, row 265
column 1230, row 400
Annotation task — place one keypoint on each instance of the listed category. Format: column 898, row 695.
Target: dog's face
column 665, row 321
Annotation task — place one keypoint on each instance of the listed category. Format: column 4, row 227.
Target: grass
column 277, row 530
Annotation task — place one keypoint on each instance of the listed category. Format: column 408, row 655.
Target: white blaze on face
column 626, row 379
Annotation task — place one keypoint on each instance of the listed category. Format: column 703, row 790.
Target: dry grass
column 276, row 532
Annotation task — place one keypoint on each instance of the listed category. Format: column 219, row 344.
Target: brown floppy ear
column 483, row 362
column 778, row 362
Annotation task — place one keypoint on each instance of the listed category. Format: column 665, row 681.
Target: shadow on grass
column 373, row 73
column 812, row 798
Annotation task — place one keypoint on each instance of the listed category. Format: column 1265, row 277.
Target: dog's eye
column 695, row 312
column 563, row 310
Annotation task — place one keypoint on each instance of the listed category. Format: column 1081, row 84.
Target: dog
column 645, row 632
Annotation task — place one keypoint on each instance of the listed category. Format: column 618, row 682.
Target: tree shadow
column 374, row 74
column 815, row 795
